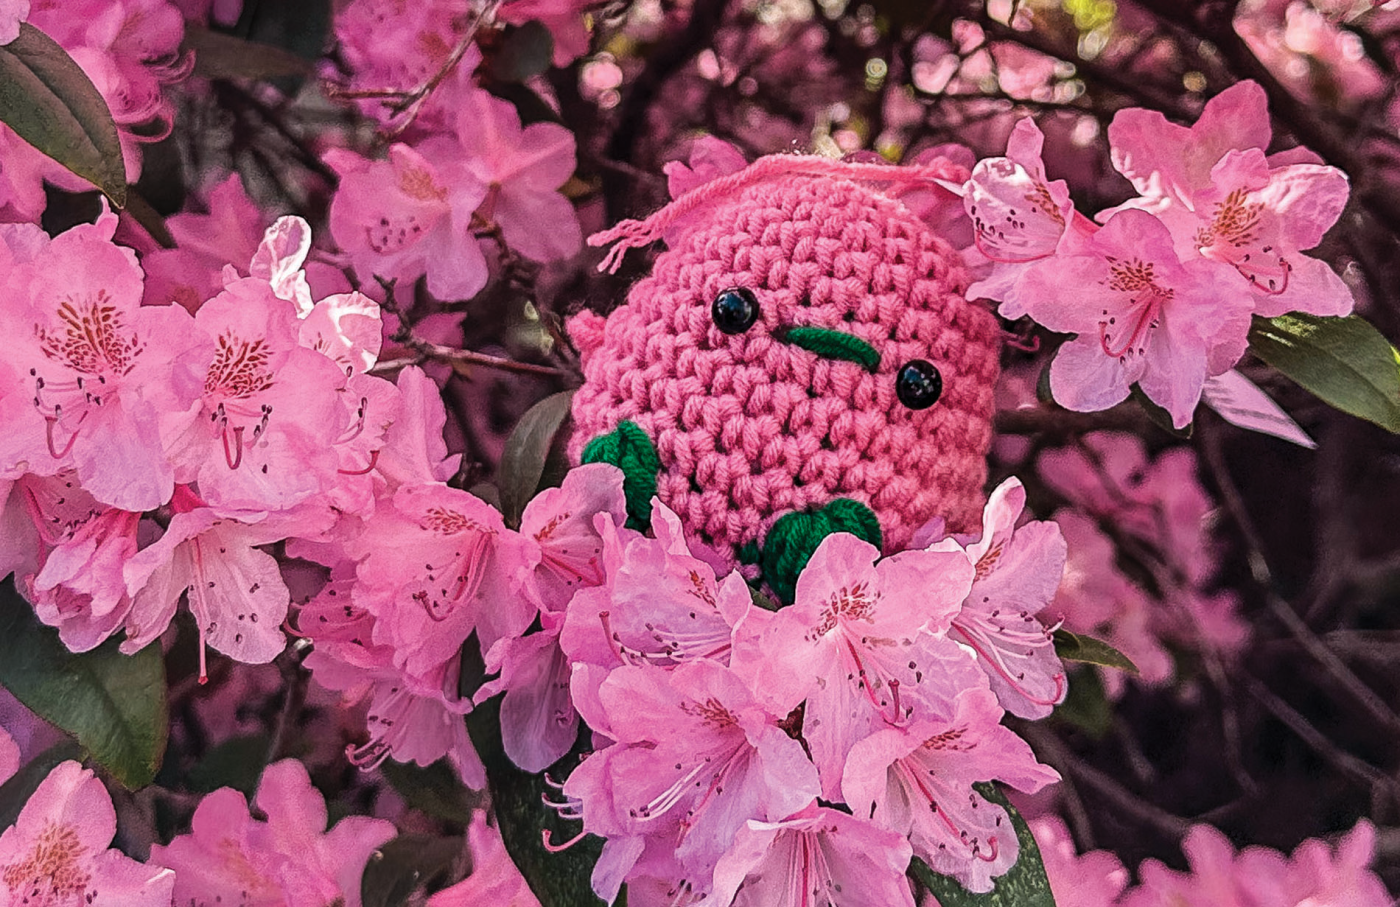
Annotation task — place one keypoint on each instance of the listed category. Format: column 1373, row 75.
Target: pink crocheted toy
column 800, row 361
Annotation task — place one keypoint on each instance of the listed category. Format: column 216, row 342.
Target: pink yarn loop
column 633, row 234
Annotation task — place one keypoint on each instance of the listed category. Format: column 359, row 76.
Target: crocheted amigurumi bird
column 800, row 361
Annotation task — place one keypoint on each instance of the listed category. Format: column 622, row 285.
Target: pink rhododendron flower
column 410, row 216
column 411, row 718
column 523, row 168
column 864, row 644
column 1095, row 598
column 1018, row 215
column 1018, row 570
column 288, row 859
column 817, row 854
column 494, row 878
column 101, row 368
column 710, row 158
column 1094, row 879
column 211, row 557
column 261, row 435
column 562, row 549
column 12, row 13
column 1226, row 202
column 9, row 756
column 391, row 45
column 56, row 852
column 1142, row 316
column 659, row 604
column 917, row 780
column 696, row 756
column 205, row 244
column 426, row 604
column 563, row 18
column 1260, row 877
column 79, row 588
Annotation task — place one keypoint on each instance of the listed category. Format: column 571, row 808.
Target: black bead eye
column 735, row 310
column 918, row 384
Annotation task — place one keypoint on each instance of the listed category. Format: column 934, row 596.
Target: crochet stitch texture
column 748, row 427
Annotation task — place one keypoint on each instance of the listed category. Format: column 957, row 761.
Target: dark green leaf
column 527, row 448
column 237, row 763
column 557, row 879
column 113, row 703
column 435, row 790
column 16, row 792
column 1344, row 361
column 405, row 865
column 1073, row 647
column 49, row 101
column 1159, row 416
column 221, row 56
column 1024, row 885
column 524, row 52
column 763, row 599
column 1086, row 704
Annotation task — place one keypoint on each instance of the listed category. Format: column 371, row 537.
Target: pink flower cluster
column 1315, row 875
column 468, row 169
column 718, row 725
column 1161, row 295
column 57, row 853
column 153, row 454
column 1160, row 515
column 130, row 49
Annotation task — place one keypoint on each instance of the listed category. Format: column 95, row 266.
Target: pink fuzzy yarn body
column 749, row 427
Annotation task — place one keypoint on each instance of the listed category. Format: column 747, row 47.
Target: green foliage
column 237, row 763
column 1344, row 361
column 435, row 790
column 1024, row 885
column 221, row 56
column 557, row 879
column 49, row 101
column 1086, row 705
column 1074, row 647
column 405, row 865
column 525, row 51
column 114, row 704
column 527, row 451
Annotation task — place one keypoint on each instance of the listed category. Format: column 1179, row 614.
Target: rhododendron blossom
column 56, row 852
column 288, row 857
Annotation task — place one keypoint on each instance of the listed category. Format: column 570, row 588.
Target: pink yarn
column 749, row 428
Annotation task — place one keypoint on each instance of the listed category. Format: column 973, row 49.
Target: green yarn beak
column 795, row 536
column 832, row 345
column 628, row 448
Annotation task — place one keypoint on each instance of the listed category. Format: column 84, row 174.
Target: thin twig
column 1343, row 761
column 1263, row 577
column 1050, row 748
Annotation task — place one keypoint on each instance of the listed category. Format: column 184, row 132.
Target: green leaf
column 113, row 703
column 527, row 449
column 1024, row 885
column 1074, row 647
column 1086, row 705
column 524, row 52
column 49, row 101
column 1157, row 414
column 1344, row 361
column 557, row 879
column 221, row 56
column 237, row 763
column 435, row 790
column 405, row 865
column 16, row 792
